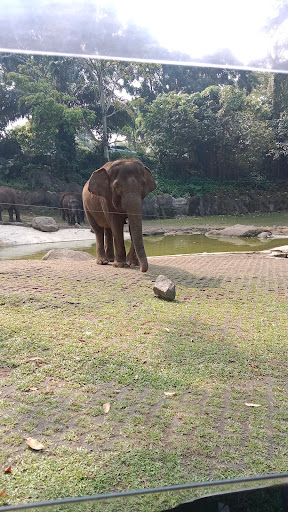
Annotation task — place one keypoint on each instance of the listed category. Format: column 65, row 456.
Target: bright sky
column 201, row 27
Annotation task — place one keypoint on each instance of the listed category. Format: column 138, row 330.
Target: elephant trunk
column 133, row 207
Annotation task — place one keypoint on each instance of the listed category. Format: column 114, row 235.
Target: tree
column 172, row 130
column 219, row 133
column 53, row 120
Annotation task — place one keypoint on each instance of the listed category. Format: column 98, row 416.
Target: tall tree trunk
column 100, row 75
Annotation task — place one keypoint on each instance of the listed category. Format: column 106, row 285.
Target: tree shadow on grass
column 182, row 277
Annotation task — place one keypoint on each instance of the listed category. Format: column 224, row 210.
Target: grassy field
column 177, row 376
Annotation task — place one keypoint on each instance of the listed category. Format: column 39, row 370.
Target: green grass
column 222, row 343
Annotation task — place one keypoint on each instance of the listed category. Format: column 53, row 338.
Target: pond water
column 154, row 246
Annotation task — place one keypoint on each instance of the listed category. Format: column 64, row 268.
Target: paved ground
column 232, row 274
column 196, row 270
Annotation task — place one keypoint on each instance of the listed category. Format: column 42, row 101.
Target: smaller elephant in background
column 72, row 208
column 8, row 201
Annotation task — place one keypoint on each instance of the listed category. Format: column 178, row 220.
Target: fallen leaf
column 34, row 444
column 33, row 389
column 279, row 389
column 166, row 329
column 169, row 393
column 3, row 493
column 252, row 405
column 106, row 407
column 83, row 341
column 136, row 377
column 48, row 391
column 8, row 470
column 35, row 359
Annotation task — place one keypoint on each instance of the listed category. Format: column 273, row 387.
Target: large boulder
column 67, row 254
column 46, row 224
column 40, row 197
column 165, row 206
column 164, row 288
column 236, row 230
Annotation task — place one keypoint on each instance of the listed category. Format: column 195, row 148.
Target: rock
column 164, row 288
column 264, row 234
column 181, row 206
column 40, row 198
column 44, row 224
column 282, row 248
column 278, row 254
column 236, row 230
column 67, row 254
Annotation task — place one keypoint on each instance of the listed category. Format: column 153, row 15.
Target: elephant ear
column 150, row 182
column 99, row 184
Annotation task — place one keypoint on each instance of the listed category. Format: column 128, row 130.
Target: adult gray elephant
column 72, row 208
column 8, row 201
column 114, row 193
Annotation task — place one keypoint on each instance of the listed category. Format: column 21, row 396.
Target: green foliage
column 218, row 133
column 214, row 125
column 199, row 185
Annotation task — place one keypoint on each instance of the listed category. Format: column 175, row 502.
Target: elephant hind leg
column 17, row 213
column 108, row 244
column 99, row 233
column 10, row 211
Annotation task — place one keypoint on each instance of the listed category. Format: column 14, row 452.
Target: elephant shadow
column 182, row 277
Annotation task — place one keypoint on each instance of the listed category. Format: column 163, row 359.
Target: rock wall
column 166, row 206
column 41, row 197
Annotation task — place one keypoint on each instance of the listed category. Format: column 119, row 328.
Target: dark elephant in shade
column 72, row 208
column 8, row 201
column 113, row 194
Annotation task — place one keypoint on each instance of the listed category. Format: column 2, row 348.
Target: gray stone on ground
column 278, row 252
column 46, row 224
column 64, row 254
column 237, row 230
column 264, row 234
column 164, row 288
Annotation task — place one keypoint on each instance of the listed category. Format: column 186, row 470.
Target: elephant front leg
column 78, row 217
column 120, row 251
column 132, row 259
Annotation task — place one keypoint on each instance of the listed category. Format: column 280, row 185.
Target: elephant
column 72, row 208
column 8, row 201
column 113, row 194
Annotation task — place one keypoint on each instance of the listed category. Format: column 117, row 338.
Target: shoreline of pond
column 84, row 232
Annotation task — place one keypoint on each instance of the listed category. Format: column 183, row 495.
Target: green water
column 175, row 244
